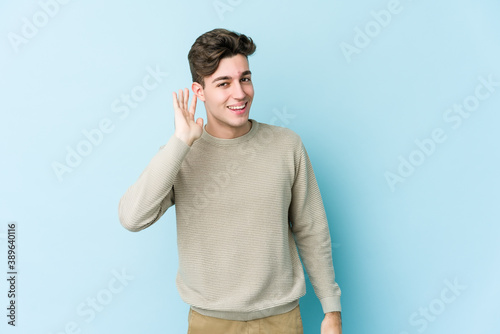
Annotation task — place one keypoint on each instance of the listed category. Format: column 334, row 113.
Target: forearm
column 332, row 323
column 336, row 317
column 141, row 204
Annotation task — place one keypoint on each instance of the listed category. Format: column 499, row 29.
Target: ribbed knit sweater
column 243, row 206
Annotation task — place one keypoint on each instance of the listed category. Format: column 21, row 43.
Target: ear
column 198, row 90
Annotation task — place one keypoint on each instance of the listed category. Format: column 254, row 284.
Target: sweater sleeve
column 152, row 194
column 310, row 227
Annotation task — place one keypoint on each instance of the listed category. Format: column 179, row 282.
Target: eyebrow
column 229, row 78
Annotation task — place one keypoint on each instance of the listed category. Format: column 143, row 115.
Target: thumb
column 199, row 121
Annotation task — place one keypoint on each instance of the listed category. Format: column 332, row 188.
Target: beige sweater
column 239, row 203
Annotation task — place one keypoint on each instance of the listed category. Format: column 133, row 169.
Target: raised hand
column 186, row 129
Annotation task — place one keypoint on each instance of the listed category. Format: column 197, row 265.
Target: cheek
column 249, row 91
column 217, row 98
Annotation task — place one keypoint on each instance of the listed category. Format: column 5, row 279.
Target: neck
column 227, row 132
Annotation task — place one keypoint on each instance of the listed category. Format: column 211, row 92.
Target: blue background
column 396, row 248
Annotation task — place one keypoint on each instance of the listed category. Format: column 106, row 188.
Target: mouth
column 238, row 109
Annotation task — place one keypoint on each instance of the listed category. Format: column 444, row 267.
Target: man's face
column 228, row 95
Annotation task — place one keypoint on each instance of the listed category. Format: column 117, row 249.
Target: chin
column 230, row 119
column 237, row 120
column 240, row 121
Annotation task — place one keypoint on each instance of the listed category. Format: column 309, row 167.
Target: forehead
column 231, row 66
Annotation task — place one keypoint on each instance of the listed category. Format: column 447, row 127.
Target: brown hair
column 208, row 50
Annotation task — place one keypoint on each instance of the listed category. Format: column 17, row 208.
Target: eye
column 245, row 79
column 222, row 84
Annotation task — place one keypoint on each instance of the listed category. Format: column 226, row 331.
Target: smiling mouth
column 238, row 109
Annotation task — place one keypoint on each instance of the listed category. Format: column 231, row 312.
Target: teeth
column 238, row 108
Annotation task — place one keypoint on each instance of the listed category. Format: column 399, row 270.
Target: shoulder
column 279, row 135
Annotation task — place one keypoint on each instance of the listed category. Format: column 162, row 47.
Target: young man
column 245, row 196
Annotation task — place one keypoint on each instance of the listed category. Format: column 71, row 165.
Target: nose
column 238, row 92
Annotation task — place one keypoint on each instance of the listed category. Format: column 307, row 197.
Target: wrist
column 184, row 138
column 334, row 316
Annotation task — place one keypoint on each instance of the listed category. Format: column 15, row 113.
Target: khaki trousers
column 286, row 323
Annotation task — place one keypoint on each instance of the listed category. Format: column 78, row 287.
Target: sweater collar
column 234, row 141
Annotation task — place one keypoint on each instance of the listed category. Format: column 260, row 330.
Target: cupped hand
column 186, row 128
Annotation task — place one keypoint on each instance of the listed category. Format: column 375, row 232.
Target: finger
column 199, row 121
column 176, row 103
column 186, row 98
column 181, row 98
column 192, row 110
